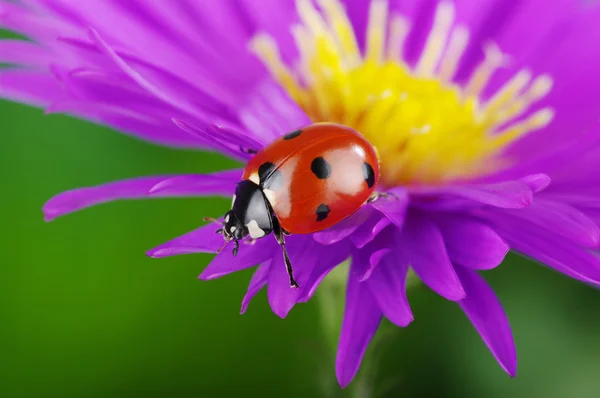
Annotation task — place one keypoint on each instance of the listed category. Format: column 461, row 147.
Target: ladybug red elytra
column 303, row 182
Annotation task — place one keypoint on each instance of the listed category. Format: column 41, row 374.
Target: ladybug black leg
column 249, row 151
column 279, row 235
column 236, row 247
column 378, row 195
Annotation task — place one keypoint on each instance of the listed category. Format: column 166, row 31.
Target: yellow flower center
column 425, row 128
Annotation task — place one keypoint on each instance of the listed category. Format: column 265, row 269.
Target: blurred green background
column 84, row 313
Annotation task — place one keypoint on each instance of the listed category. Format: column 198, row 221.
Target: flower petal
column 487, row 316
column 220, row 183
column 344, row 228
column 367, row 258
column 394, row 207
column 422, row 245
column 471, row 243
column 369, row 228
column 229, row 141
column 547, row 247
column 248, row 256
column 563, row 220
column 304, row 254
column 508, row 195
column 387, row 285
column 258, row 281
column 197, row 183
column 330, row 258
column 361, row 319
column 201, row 240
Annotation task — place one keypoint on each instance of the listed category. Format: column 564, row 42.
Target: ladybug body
column 303, row 182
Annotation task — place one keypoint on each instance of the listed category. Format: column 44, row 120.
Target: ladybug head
column 233, row 228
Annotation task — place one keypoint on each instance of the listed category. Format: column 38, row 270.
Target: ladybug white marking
column 270, row 195
column 254, row 178
column 254, row 230
column 227, row 218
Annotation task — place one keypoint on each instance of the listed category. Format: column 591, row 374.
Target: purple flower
column 484, row 115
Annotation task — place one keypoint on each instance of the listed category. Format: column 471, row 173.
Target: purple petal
column 282, row 297
column 487, row 316
column 248, row 256
column 547, row 247
column 537, row 182
column 369, row 228
column 344, row 228
column 230, row 142
column 508, row 195
column 164, row 92
column 329, row 258
column 471, row 243
column 361, row 319
column 387, row 285
column 367, row 258
column 227, row 180
column 258, row 281
column 220, row 183
column 29, row 87
column 394, row 207
column 563, row 220
column 422, row 245
column 201, row 240
column 304, row 254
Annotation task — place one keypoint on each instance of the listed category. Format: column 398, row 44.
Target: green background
column 84, row 313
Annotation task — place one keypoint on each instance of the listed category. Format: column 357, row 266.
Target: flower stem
column 331, row 299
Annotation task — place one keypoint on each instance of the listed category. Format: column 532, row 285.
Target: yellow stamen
column 425, row 127
column 437, row 39
column 399, row 28
column 458, row 43
column 376, row 30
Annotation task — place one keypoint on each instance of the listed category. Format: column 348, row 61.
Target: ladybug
column 303, row 182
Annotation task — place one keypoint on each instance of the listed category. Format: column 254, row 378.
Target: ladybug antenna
column 214, row 220
column 223, row 247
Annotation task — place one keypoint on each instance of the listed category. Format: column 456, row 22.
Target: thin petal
column 509, row 195
column 471, row 243
column 258, row 281
column 197, row 183
column 547, row 248
column 394, row 207
column 229, row 141
column 304, row 254
column 330, row 258
column 361, row 319
column 387, row 285
column 369, row 228
column 422, row 244
column 563, row 220
column 220, row 183
column 487, row 316
column 367, row 258
column 344, row 228
column 516, row 194
column 201, row 240
column 248, row 256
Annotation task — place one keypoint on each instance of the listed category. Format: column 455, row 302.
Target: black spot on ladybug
column 368, row 174
column 320, row 168
column 322, row 212
column 265, row 170
column 292, row 135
